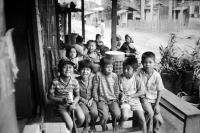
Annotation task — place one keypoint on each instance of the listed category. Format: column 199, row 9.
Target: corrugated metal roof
column 121, row 11
column 179, row 8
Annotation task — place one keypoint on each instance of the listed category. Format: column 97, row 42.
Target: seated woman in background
column 119, row 42
column 129, row 47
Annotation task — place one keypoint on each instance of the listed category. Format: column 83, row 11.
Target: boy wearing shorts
column 64, row 90
column 153, row 88
column 132, row 88
column 106, row 93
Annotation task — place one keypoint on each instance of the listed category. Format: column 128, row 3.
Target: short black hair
column 106, row 61
column 63, row 62
column 131, row 61
column 91, row 41
column 85, row 63
column 69, row 49
column 103, row 50
column 148, row 54
column 102, row 20
column 97, row 35
column 79, row 39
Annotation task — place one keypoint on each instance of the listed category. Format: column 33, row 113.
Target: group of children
column 98, row 95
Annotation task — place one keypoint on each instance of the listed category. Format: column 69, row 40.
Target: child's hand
column 64, row 100
column 156, row 109
column 72, row 106
column 89, row 104
column 85, row 101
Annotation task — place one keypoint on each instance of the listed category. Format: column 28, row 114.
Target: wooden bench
column 184, row 111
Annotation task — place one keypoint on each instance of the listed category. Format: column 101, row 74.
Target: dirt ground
column 148, row 41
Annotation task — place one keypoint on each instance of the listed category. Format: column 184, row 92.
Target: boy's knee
column 116, row 114
column 149, row 113
column 94, row 113
column 124, row 117
column 104, row 116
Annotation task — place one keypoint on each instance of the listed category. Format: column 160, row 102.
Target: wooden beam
column 69, row 27
column 114, row 24
column 83, row 19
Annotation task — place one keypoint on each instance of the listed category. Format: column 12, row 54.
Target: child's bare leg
column 94, row 115
column 141, row 119
column 86, row 113
column 115, row 112
column 124, row 116
column 67, row 119
column 103, row 113
column 80, row 117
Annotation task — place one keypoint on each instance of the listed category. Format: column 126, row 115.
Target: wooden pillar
column 83, row 19
column 170, row 10
column 64, row 26
column 114, row 24
column 142, row 9
column 151, row 10
column 69, row 28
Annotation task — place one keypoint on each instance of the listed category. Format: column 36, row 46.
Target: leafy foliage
column 169, row 63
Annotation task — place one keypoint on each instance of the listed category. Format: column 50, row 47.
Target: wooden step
column 61, row 128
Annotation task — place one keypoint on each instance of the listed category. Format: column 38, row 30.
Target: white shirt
column 130, row 87
column 152, row 85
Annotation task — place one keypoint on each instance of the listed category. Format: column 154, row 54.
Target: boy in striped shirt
column 106, row 93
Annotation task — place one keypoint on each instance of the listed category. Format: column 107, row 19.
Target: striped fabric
column 60, row 89
column 105, row 88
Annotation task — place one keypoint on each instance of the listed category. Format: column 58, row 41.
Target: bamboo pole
column 114, row 24
column 69, row 27
column 83, row 19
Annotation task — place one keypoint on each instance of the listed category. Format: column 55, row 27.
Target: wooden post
column 69, row 28
column 142, row 9
column 114, row 24
column 170, row 10
column 83, row 19
column 151, row 10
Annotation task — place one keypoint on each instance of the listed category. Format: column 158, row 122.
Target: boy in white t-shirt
column 153, row 88
column 132, row 88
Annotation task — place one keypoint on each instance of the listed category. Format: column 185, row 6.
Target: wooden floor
column 171, row 123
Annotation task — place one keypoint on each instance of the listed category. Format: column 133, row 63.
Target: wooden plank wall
column 47, row 10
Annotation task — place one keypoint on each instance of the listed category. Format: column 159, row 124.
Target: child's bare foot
column 121, row 125
column 115, row 128
column 92, row 129
column 105, row 128
column 86, row 129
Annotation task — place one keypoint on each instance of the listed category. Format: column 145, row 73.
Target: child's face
column 72, row 53
column 129, row 70
column 107, row 69
column 67, row 70
column 148, row 63
column 128, row 40
column 91, row 47
column 85, row 72
column 99, row 38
